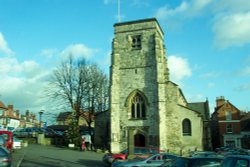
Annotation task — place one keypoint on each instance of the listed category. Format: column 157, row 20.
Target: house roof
column 2, row 105
column 201, row 107
column 218, row 108
column 63, row 115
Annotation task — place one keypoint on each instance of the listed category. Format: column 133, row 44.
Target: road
column 49, row 156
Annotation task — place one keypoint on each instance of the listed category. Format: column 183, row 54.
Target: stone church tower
column 146, row 108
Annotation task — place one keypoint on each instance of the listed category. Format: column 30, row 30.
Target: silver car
column 154, row 160
column 236, row 160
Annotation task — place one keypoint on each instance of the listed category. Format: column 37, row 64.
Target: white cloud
column 246, row 71
column 210, row 85
column 243, row 88
column 178, row 68
column 22, row 83
column 210, row 75
column 49, row 52
column 4, row 46
column 232, row 29
column 166, row 12
column 10, row 66
column 78, row 50
column 175, row 17
column 232, row 6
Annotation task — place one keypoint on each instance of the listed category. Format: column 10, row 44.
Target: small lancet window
column 136, row 42
column 186, row 127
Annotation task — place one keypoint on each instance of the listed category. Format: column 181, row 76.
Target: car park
column 154, row 160
column 194, row 162
column 138, row 152
column 236, row 161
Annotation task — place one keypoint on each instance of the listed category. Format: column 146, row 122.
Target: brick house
column 226, row 124
column 11, row 119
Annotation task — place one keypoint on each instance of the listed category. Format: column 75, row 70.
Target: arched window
column 138, row 107
column 186, row 127
column 229, row 128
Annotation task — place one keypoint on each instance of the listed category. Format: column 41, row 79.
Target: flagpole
column 119, row 17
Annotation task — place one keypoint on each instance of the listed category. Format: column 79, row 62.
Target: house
column 226, row 124
column 245, row 130
column 11, row 119
column 64, row 119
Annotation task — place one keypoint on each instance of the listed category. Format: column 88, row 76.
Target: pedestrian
column 88, row 141
column 83, row 143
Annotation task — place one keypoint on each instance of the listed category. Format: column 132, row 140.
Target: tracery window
column 186, row 127
column 138, row 107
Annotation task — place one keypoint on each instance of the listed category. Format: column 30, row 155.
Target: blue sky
column 207, row 41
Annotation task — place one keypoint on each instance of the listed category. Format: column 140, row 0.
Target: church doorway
column 139, row 140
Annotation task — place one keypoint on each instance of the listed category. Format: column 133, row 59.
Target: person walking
column 83, row 143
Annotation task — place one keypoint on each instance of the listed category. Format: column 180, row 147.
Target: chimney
column 220, row 101
column 10, row 110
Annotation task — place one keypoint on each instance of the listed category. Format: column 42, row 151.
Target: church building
column 146, row 108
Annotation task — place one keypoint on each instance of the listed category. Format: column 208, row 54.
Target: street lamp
column 40, row 118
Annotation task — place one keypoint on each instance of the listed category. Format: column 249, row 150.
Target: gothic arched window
column 186, row 127
column 138, row 107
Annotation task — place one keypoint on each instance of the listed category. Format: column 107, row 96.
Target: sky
column 207, row 44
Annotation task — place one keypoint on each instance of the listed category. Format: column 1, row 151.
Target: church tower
column 146, row 109
column 138, row 73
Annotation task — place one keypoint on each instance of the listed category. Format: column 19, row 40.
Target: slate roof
column 201, row 107
column 63, row 116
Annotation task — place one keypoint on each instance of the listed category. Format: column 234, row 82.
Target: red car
column 143, row 152
column 9, row 138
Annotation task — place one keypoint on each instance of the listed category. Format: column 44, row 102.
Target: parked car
column 236, row 161
column 138, row 151
column 204, row 153
column 8, row 135
column 5, row 157
column 21, row 132
column 17, row 143
column 3, row 142
column 154, row 160
column 194, row 162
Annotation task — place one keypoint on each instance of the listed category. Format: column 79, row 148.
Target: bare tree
column 80, row 87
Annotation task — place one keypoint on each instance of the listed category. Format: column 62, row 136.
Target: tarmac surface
column 18, row 155
column 36, row 155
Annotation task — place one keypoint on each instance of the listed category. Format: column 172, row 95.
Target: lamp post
column 40, row 118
